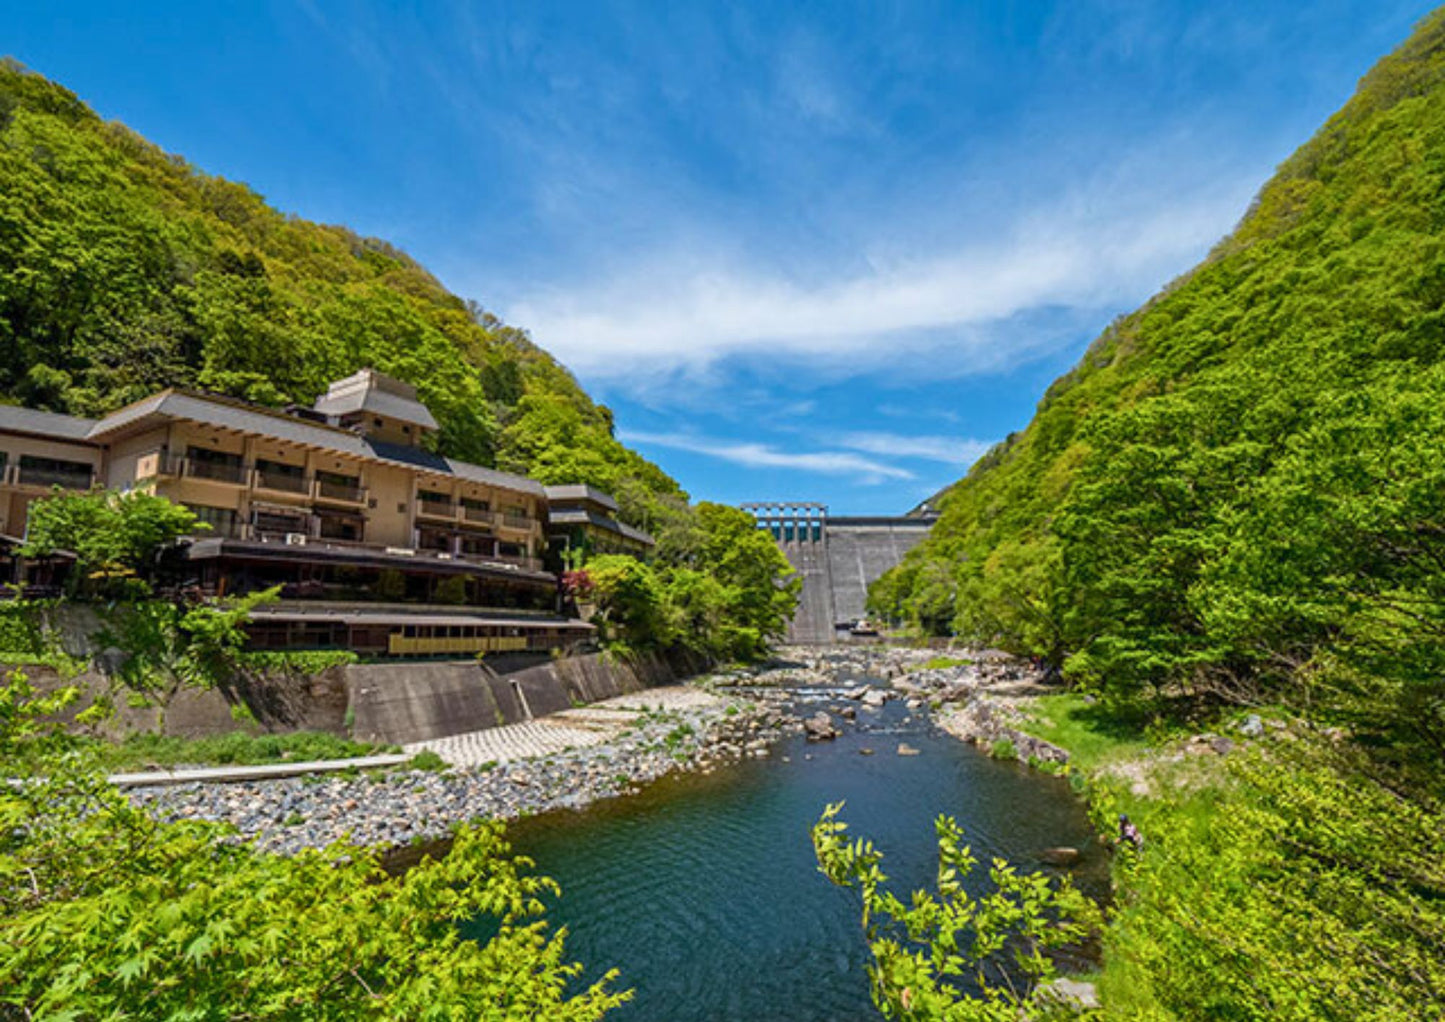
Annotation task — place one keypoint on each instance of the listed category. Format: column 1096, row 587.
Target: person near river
column 1129, row 833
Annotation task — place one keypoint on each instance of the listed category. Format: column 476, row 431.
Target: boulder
column 1060, row 856
column 1073, row 993
column 819, row 728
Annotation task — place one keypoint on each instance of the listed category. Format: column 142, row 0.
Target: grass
column 940, row 663
column 1092, row 736
column 1003, row 749
column 147, row 751
column 427, row 760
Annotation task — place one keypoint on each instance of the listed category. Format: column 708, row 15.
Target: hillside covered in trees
column 124, row 270
column 1225, row 527
column 1239, row 492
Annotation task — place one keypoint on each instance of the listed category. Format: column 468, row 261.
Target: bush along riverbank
column 405, row 806
column 1283, row 874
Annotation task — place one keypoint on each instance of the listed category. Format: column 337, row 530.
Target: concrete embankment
column 390, row 703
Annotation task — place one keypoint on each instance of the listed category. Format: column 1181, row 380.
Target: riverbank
column 402, row 806
column 1285, row 873
column 567, row 760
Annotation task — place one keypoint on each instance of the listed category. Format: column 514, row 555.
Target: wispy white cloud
column 755, row 455
column 946, row 449
column 974, row 305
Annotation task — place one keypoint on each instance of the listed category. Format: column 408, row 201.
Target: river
column 704, row 892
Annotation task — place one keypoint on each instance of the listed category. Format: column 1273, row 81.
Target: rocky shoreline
column 399, row 807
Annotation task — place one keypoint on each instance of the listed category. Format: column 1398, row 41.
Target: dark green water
column 705, row 893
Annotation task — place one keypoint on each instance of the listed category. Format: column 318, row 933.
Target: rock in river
column 819, row 727
column 1061, row 856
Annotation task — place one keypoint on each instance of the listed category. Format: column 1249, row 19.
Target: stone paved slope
column 570, row 729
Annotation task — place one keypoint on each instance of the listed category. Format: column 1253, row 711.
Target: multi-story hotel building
column 582, row 517
column 378, row 544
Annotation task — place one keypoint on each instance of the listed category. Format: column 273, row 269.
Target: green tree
column 111, row 534
column 166, row 647
column 629, row 600
column 926, row 953
column 106, row 912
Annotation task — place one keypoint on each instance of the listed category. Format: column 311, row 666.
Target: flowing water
column 704, row 891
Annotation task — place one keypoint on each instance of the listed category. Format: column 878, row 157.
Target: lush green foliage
column 107, row 913
column 1294, row 878
column 293, row 661
column 1295, row 887
column 925, row 953
column 124, row 270
column 115, row 537
column 722, row 594
column 146, row 751
column 23, row 628
column 1237, row 491
column 165, row 647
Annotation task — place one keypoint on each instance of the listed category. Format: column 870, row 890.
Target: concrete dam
column 837, row 557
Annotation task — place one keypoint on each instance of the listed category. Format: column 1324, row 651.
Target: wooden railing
column 405, row 646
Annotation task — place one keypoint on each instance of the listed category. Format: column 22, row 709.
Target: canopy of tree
column 727, row 597
column 124, row 270
column 1239, row 488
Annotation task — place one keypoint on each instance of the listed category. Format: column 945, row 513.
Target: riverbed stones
column 1070, row 993
column 819, row 728
column 1060, row 856
column 387, row 808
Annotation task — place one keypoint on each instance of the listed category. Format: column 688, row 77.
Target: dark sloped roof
column 415, row 457
column 44, row 424
column 581, row 516
column 371, row 391
column 378, row 402
column 580, row 492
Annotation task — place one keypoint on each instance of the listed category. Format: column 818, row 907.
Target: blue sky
column 806, row 251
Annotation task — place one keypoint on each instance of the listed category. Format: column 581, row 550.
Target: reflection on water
column 705, row 893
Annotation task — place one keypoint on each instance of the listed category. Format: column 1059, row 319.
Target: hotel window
column 222, row 520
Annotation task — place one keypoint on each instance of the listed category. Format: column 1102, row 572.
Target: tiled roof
column 378, row 402
column 46, row 424
column 581, row 516
column 578, row 492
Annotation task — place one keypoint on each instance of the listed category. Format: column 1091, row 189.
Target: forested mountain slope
column 1240, row 490
column 124, row 270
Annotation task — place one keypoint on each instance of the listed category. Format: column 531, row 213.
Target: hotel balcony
column 287, row 483
column 332, row 491
column 478, row 516
column 432, row 507
column 47, row 478
column 233, row 473
column 302, row 544
column 522, row 522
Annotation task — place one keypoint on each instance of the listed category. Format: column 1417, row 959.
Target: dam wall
column 837, row 557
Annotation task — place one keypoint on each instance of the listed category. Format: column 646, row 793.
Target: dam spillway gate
column 837, row 558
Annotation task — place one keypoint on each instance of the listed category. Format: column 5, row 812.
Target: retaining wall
column 390, row 703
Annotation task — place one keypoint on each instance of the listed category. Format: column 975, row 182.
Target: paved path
column 570, row 729
column 265, row 772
